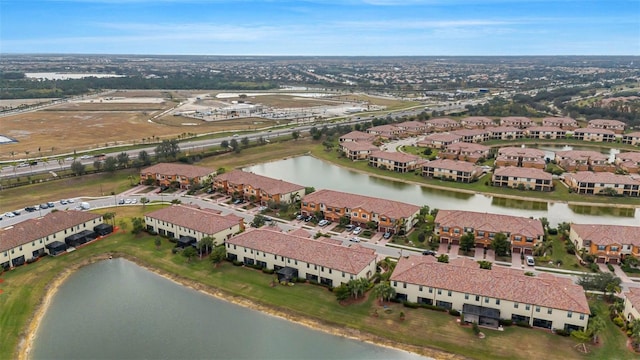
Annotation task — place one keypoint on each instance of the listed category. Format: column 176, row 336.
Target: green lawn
column 557, row 253
column 24, row 287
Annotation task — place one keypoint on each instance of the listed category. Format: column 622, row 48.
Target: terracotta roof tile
column 453, row 165
column 608, row 234
column 270, row 185
column 523, row 172
column 190, row 171
column 633, row 295
column 206, row 221
column 394, row 156
column 390, row 208
column 602, row 177
column 490, row 222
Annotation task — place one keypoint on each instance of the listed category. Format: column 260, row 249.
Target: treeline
column 15, row 87
column 502, row 107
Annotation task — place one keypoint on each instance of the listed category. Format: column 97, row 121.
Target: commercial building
column 32, row 238
column 388, row 215
column 487, row 296
column 603, row 183
column 169, row 174
column 258, row 188
column 523, row 233
column 608, row 243
column 182, row 221
column 295, row 256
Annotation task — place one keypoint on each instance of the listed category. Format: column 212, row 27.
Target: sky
column 321, row 27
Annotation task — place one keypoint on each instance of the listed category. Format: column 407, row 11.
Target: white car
column 127, row 201
column 9, row 214
column 355, row 239
column 85, row 157
column 530, row 260
column 134, row 201
column 357, row 230
column 323, row 222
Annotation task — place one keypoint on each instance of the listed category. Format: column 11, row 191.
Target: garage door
column 455, row 241
column 600, row 260
column 516, row 250
column 528, row 251
column 613, row 261
column 444, row 240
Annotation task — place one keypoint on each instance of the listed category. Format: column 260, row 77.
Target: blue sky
column 322, row 27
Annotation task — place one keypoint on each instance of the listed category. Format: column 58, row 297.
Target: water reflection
column 519, row 203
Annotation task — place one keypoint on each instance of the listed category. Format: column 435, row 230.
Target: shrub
column 523, row 324
column 562, row 332
column 476, row 328
column 454, row 312
column 505, row 322
column 618, row 321
column 610, row 267
column 594, row 267
column 237, row 262
column 268, row 271
column 411, row 305
column 553, row 231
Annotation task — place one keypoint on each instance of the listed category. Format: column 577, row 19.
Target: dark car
column 30, row 209
column 429, row 252
column 121, row 202
column 386, row 235
column 44, row 206
column 308, row 218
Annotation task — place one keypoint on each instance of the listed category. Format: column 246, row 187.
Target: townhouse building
column 386, row 131
column 442, row 124
column 180, row 221
column 477, row 122
column 487, row 296
column 439, row 140
column 546, row 132
column 359, row 150
column 466, row 152
column 388, row 215
column 608, row 243
column 602, row 183
column 473, row 135
column 395, row 161
column 522, row 178
column 295, row 256
column 594, row 135
column 628, row 161
column 182, row 175
column 523, row 233
column 613, row 125
column 357, row 136
column 565, row 123
column 631, row 303
column 47, row 235
column 258, row 188
column 453, row 170
column 583, row 160
column 519, row 122
column 521, row 157
column 505, row 133
column 631, row 138
column 413, row 127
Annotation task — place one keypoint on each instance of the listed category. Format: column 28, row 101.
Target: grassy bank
column 24, row 287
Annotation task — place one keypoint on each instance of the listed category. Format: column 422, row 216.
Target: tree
column 258, row 221
column 342, row 292
column 110, row 164
column 123, row 160
column 77, row 168
column 138, row 225
column 207, row 243
column 295, row 135
column 218, row 254
column 158, row 242
column 167, row 150
column 357, row 286
column 144, row 158
column 596, row 326
column 110, row 216
column 234, row 145
column 123, row 225
column 97, row 165
column 224, row 144
column 144, row 201
column 189, row 252
column 383, row 291
column 500, row 244
column 604, row 281
column 245, row 142
column 467, row 242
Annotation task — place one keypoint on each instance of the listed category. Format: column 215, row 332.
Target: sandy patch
column 26, row 343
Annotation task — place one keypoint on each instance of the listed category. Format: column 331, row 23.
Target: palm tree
column 207, row 242
column 634, row 326
column 596, row 326
column 383, row 291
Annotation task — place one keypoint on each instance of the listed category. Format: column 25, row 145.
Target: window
column 581, row 316
column 527, row 307
column 569, row 313
column 439, row 292
column 497, row 301
column 515, row 305
column 601, row 247
column 395, row 283
column 420, row 288
column 486, row 300
column 549, row 311
column 477, row 297
column 537, row 308
column 430, row 290
column 404, row 285
column 614, row 248
column 466, row 296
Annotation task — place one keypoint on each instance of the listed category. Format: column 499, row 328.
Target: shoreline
column 27, row 340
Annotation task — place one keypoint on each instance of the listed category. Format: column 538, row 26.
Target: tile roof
column 522, row 172
column 546, row 129
column 633, row 296
column 357, row 135
column 468, row 147
column 190, row 171
column 608, row 234
column 206, row 221
column 593, row 131
column 442, row 122
column 483, row 120
column 390, row 208
column 520, row 151
column 269, row 185
column 358, row 146
column 605, row 122
column 471, row 132
column 502, row 129
column 632, row 135
column 384, row 129
column 394, row 156
column 337, row 257
column 602, row 177
column 411, row 125
column 582, row 155
column 629, row 156
column 465, row 276
column 490, row 222
column 441, row 137
column 456, row 165
column 515, row 120
column 560, row 120
column 33, row 229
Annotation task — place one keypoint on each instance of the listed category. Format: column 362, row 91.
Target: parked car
column 349, row 227
column 323, row 222
column 30, row 209
column 429, row 252
column 70, row 201
column 357, row 230
column 134, row 201
column 50, row 204
column 354, row 239
column 127, row 201
column 299, row 217
column 530, row 260
column 237, row 201
column 9, row 214
column 44, row 206
column 308, row 218
column 16, row 212
column 63, row 202
column 386, row 235
column 262, row 208
column 121, row 202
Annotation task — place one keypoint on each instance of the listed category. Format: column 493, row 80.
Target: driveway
column 453, row 253
column 516, row 262
column 479, row 255
column 491, row 255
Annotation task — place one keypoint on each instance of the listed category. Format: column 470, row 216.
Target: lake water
column 309, row 171
column 115, row 309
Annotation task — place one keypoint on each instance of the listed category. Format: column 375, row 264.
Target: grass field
column 24, row 287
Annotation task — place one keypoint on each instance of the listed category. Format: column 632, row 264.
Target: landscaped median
column 420, row 330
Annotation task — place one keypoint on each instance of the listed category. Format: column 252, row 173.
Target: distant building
column 594, row 135
column 613, row 125
column 505, row 133
column 474, row 122
column 519, row 122
column 546, row 132
column 526, row 178
column 564, row 123
column 608, row 243
column 395, row 161
column 357, row 150
column 583, row 160
column 459, row 171
column 487, row 296
column 357, row 136
column 386, row 131
column 631, row 304
column 258, row 188
column 602, row 183
column 628, row 161
column 439, row 140
column 412, row 127
column 442, row 124
column 166, row 174
column 631, row 138
column 473, row 135
column 466, row 152
column 522, row 157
